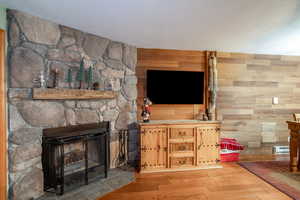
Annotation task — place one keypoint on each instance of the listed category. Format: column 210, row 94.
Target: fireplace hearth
column 73, row 155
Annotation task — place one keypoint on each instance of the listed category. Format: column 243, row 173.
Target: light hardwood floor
column 232, row 182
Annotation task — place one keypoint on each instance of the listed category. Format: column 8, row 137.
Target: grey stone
column 16, row 121
column 83, row 104
column 98, row 104
column 116, row 182
column 122, row 121
column 112, row 73
column 73, row 48
column 38, row 48
column 130, row 56
column 15, row 95
column 130, row 80
column 110, row 115
column 121, row 101
column 130, row 91
column 38, row 30
column 86, row 116
column 30, row 187
column 66, row 31
column 25, row 152
column 96, row 75
column 25, row 135
column 115, row 50
column 112, row 103
column 13, row 34
column 95, row 46
column 70, row 104
column 126, row 107
column 129, row 71
column 42, row 113
column 79, row 36
column 99, row 66
column 70, row 117
column 66, row 41
column 114, row 64
column 115, row 84
column 24, row 61
column 64, row 56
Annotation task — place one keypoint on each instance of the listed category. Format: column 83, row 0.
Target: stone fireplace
column 36, row 45
column 74, row 154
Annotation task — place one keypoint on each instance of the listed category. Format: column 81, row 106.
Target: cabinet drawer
column 181, row 133
column 181, row 162
column 181, row 147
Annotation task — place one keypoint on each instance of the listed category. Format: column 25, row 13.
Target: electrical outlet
column 275, row 100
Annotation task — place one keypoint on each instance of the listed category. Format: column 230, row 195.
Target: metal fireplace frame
column 53, row 160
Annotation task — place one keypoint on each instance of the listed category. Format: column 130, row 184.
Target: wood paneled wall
column 3, row 121
column 161, row 59
column 247, row 83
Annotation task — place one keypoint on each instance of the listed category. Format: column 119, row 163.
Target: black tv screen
column 175, row 87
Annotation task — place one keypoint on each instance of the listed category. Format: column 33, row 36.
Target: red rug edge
column 262, row 178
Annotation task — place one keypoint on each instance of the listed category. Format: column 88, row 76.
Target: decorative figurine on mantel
column 90, row 78
column 69, row 78
column 146, row 110
column 53, row 79
column 40, row 81
column 80, row 75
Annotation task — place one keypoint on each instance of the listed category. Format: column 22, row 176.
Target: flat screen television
column 175, row 87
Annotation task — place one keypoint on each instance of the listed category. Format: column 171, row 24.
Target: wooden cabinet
column 208, row 145
column 179, row 145
column 154, row 148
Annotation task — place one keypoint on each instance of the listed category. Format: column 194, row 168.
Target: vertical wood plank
column 3, row 121
column 175, row 60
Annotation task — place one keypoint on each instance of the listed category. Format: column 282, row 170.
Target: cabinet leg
column 293, row 153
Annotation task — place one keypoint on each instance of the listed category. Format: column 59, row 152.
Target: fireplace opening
column 74, row 155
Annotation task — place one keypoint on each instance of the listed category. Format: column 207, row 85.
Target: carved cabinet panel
column 177, row 162
column 176, row 133
column 208, row 146
column 153, row 148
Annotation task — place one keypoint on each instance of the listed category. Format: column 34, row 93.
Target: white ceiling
column 250, row 26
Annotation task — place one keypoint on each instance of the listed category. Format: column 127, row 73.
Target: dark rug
column 277, row 174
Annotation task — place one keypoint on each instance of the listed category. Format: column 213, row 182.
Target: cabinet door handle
column 181, row 162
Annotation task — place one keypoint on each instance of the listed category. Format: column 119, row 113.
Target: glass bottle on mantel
column 42, row 80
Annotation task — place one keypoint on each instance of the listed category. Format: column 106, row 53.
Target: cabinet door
column 153, row 148
column 208, row 145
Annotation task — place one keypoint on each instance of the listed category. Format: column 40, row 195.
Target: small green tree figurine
column 90, row 77
column 69, row 78
column 80, row 74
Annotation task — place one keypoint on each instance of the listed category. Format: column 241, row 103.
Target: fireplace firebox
column 74, row 154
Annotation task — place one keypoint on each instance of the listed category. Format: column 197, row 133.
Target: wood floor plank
column 232, row 182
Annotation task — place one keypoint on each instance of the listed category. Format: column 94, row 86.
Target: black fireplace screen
column 74, row 154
